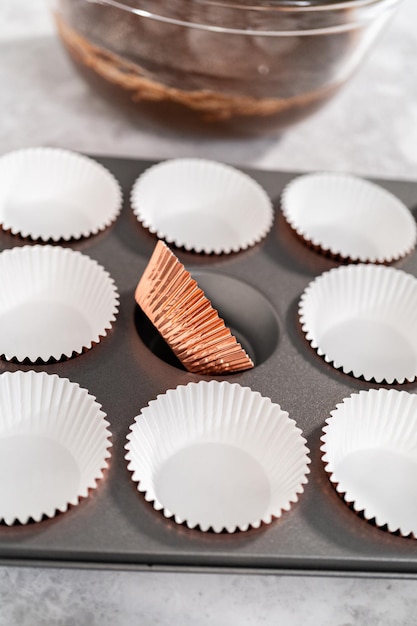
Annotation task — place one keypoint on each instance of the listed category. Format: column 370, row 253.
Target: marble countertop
column 370, row 128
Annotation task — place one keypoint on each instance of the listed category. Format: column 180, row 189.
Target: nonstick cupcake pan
column 257, row 293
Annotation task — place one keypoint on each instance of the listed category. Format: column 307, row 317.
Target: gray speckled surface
column 371, row 129
column 68, row 598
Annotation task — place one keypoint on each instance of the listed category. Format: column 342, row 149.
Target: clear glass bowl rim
column 362, row 11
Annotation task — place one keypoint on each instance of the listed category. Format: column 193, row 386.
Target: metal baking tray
column 257, row 292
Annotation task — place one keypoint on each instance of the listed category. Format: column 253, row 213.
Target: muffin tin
column 257, row 293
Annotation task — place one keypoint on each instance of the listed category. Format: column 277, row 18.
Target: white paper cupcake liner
column 370, row 452
column 53, row 194
column 53, row 302
column 363, row 319
column 218, row 456
column 349, row 217
column 54, row 445
column 202, row 205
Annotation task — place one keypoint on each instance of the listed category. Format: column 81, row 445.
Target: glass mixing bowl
column 235, row 63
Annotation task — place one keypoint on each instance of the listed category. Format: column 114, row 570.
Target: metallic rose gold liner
column 183, row 315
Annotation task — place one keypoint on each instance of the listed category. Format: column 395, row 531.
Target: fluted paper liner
column 370, row 452
column 54, row 194
column 54, row 303
column 202, row 205
column 54, row 445
column 363, row 319
column 349, row 217
column 180, row 311
column 218, row 456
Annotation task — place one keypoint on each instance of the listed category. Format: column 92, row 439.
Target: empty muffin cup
column 370, row 453
column 349, row 217
column 202, row 205
column 54, row 194
column 54, row 302
column 363, row 319
column 54, row 445
column 215, row 455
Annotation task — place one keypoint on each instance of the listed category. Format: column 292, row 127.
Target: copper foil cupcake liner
column 185, row 318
